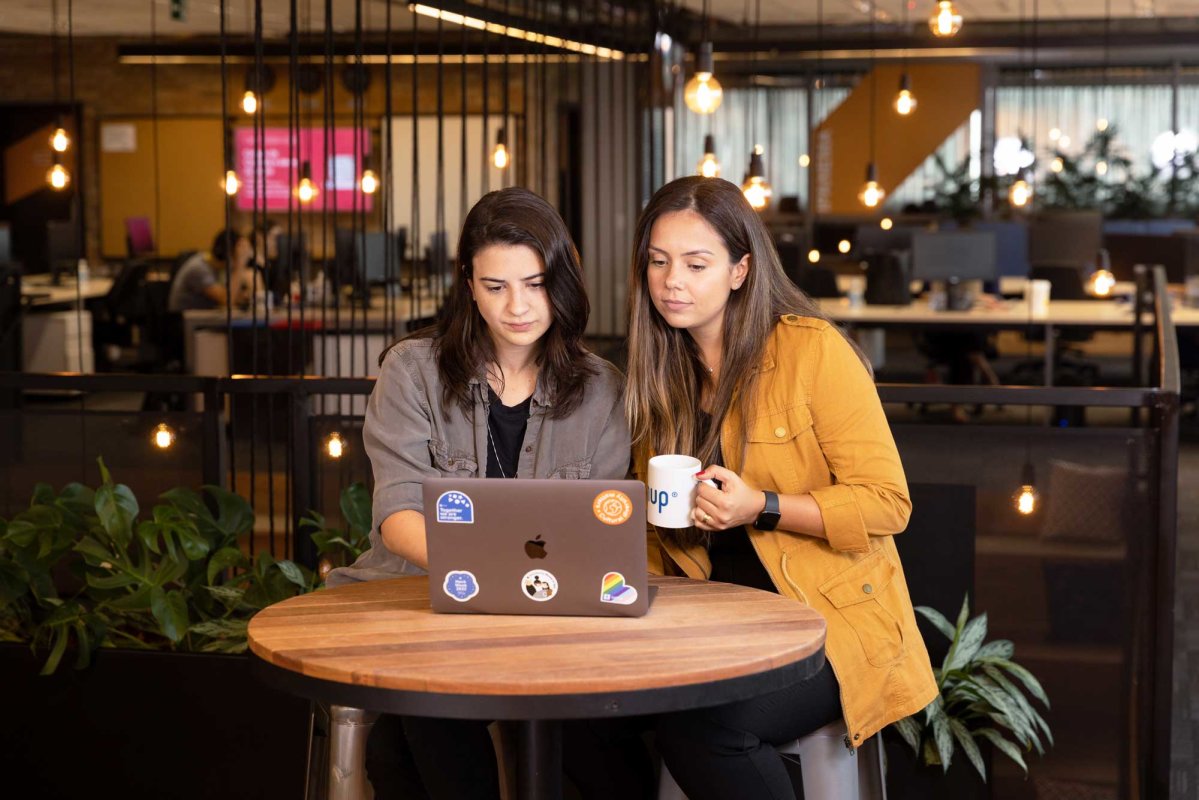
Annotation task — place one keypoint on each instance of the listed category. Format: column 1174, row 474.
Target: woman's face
column 508, row 287
column 689, row 274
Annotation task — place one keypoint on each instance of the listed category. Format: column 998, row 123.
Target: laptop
column 536, row 546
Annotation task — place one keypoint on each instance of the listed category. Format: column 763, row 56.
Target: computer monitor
column 371, row 252
column 1068, row 238
column 868, row 239
column 62, row 248
column 293, row 256
column 954, row 256
column 1011, row 247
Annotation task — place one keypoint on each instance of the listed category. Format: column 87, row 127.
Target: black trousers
column 728, row 752
column 423, row 757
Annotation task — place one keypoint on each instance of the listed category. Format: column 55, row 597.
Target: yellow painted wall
column 945, row 95
column 192, row 205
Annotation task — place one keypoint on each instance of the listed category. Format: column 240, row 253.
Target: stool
column 348, row 730
column 831, row 771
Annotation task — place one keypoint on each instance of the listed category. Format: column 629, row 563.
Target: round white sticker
column 539, row 585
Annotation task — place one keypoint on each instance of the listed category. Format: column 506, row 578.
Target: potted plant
column 338, row 547
column 984, row 706
column 152, row 608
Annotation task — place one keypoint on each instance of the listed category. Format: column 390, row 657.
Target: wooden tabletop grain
column 382, row 634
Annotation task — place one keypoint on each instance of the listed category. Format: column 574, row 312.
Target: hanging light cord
column 873, row 89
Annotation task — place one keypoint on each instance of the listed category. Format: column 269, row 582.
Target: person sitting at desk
column 200, row 283
column 731, row 364
column 500, row 387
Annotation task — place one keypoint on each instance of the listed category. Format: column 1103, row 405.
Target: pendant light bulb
column 709, row 166
column 57, row 177
column 163, row 436
column 703, row 93
column 756, row 188
column 1027, row 497
column 231, row 183
column 500, row 157
column 945, row 21
column 60, row 142
column 872, row 194
column 369, row 182
column 1101, row 124
column 306, row 190
column 905, row 101
column 1102, row 283
column 335, row 445
column 1020, row 194
column 249, row 102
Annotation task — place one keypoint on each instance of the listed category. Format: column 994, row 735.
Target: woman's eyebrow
column 502, row 281
column 688, row 253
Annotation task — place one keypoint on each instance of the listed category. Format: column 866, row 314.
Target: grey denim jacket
column 411, row 435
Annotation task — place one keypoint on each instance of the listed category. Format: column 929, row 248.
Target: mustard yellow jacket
column 816, row 426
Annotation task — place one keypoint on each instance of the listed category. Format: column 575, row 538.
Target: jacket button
column 529, row 449
column 867, row 588
column 791, row 318
column 780, row 432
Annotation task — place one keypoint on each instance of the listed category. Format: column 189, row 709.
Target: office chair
column 817, row 282
column 1069, row 368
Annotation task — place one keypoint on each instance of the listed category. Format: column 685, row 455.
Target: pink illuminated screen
column 336, row 179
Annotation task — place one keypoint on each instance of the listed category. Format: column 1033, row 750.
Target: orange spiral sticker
column 612, row 507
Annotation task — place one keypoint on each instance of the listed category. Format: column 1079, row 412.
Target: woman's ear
column 740, row 271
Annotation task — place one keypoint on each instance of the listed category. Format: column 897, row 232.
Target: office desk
column 1008, row 315
column 378, row 646
column 37, row 290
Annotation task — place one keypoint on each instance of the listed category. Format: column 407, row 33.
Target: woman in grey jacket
column 500, row 387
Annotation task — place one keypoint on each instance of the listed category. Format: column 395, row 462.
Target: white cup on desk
column 672, row 488
column 1036, row 294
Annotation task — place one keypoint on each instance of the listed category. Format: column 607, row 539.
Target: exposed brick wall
column 107, row 88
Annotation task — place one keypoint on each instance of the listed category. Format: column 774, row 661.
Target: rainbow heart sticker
column 613, row 589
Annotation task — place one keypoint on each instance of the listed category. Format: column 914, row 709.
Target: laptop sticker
column 539, row 585
column 613, row 589
column 612, row 507
column 461, row 585
column 455, row 507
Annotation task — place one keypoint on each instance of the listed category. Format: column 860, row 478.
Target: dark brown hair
column 516, row 216
column 665, row 373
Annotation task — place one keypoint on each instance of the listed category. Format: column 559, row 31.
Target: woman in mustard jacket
column 732, row 364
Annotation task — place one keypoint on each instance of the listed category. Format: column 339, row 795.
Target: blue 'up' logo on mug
column 660, row 499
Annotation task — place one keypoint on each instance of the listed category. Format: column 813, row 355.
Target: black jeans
column 728, row 751
column 454, row 758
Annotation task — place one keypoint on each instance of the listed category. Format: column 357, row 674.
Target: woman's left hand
column 735, row 503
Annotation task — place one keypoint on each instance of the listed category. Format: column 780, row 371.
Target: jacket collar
column 541, row 394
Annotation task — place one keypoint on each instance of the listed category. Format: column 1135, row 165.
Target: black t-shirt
column 505, row 434
column 734, row 559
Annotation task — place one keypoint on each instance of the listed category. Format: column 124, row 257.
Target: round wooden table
column 378, row 646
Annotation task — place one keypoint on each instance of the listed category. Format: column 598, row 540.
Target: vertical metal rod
column 304, row 469
column 539, row 765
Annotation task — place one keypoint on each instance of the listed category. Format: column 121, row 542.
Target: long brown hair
column 515, row 216
column 665, row 374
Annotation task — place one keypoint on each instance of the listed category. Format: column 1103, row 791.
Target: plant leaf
column 293, row 573
column 356, row 506
column 911, row 731
column 223, row 559
column 942, row 738
column 117, row 509
column 969, row 642
column 60, row 647
column 1030, row 682
column 999, row 648
column 1004, row 746
column 170, row 609
column 938, row 620
column 968, row 745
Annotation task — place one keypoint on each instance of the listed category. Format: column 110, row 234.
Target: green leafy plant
column 982, row 698
column 340, row 546
column 82, row 569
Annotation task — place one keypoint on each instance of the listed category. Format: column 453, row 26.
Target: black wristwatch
column 768, row 520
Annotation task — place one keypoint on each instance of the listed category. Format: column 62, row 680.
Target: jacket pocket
column 861, row 594
column 573, row 470
column 779, row 427
column 452, row 462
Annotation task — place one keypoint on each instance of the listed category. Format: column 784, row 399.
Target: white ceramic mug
column 1037, row 294
column 672, row 488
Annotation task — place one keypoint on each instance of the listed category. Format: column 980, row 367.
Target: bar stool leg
column 348, row 729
